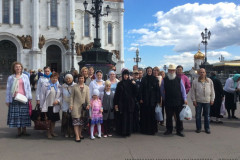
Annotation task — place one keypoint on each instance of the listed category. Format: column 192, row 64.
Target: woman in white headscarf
column 114, row 81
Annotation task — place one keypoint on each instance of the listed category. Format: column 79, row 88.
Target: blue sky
column 169, row 31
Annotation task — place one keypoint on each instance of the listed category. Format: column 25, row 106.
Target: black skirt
column 229, row 101
column 52, row 116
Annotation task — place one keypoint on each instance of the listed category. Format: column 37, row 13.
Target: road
column 222, row 143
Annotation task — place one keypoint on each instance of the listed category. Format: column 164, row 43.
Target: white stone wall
column 198, row 62
column 35, row 21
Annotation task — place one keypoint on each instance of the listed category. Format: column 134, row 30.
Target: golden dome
column 199, row 55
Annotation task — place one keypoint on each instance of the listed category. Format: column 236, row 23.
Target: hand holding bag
column 42, row 125
column 186, row 113
column 158, row 113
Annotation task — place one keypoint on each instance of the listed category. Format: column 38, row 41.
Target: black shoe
column 229, row 117
column 167, row 132
column 212, row 121
column 78, row 140
column 219, row 122
column 208, row 131
column 180, row 134
column 198, row 131
column 234, row 117
column 82, row 137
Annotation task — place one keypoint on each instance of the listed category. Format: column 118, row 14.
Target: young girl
column 108, row 114
column 96, row 113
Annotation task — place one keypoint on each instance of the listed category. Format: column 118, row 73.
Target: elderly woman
column 114, row 81
column 124, row 102
column 150, row 96
column 18, row 112
column 97, row 83
column 50, row 99
column 84, row 72
column 79, row 98
column 43, row 79
column 229, row 89
column 67, row 127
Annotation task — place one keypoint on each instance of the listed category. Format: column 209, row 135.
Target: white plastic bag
column 223, row 109
column 158, row 113
column 186, row 113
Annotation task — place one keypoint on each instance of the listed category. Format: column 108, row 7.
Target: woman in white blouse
column 97, row 83
column 50, row 99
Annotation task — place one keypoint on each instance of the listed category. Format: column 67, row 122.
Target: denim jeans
column 206, row 110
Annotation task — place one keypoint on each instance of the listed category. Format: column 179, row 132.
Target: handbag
column 158, row 113
column 21, row 98
column 35, row 113
column 30, row 107
column 42, row 124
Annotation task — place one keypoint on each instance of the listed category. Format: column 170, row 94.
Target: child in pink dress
column 96, row 113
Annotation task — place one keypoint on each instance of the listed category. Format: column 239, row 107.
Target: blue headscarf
column 235, row 78
column 52, row 85
column 47, row 76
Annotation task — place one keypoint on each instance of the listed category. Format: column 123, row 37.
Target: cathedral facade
column 37, row 33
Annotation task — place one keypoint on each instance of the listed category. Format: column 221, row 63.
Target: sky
column 169, row 31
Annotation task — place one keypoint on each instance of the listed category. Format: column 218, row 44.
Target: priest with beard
column 174, row 95
column 124, row 102
column 149, row 98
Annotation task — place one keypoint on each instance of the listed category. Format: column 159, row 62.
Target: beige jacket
column 203, row 92
column 77, row 99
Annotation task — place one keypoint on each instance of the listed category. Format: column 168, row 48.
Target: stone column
column 35, row 25
column 11, row 12
column 35, row 56
column 70, row 25
column 121, row 33
column 1, row 14
column 21, row 13
column 49, row 13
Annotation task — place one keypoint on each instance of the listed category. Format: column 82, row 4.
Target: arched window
column 6, row 7
column 110, row 33
column 16, row 11
column 86, row 25
column 54, row 13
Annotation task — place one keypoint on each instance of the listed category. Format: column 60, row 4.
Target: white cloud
column 236, row 57
column 218, row 54
column 185, row 59
column 181, row 27
column 132, row 49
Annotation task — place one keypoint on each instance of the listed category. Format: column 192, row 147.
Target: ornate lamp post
column 206, row 36
column 96, row 12
column 97, row 57
column 165, row 68
column 72, row 34
column 137, row 59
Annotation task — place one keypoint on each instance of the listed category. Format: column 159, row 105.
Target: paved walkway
column 222, row 143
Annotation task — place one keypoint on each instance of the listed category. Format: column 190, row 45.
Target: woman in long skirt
column 18, row 111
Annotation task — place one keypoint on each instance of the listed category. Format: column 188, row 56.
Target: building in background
column 37, row 33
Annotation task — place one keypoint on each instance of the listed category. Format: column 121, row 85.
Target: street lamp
column 72, row 34
column 96, row 12
column 165, row 67
column 137, row 59
column 205, row 36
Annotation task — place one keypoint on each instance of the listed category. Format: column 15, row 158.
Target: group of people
column 128, row 105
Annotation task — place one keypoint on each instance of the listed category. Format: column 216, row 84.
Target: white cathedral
column 37, row 33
